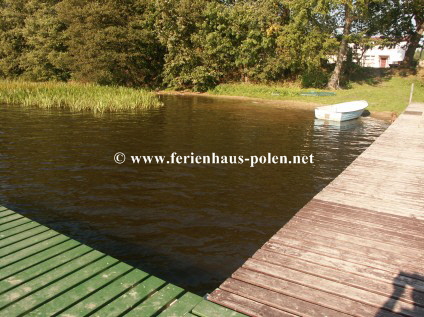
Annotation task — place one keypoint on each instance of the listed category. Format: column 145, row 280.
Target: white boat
column 341, row 111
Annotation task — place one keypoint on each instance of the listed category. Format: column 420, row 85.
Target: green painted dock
column 45, row 273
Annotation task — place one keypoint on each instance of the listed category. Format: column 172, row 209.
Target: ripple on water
column 190, row 224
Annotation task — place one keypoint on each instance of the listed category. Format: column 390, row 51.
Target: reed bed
column 76, row 96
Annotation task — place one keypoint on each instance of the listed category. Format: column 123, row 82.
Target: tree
column 12, row 41
column 357, row 18
column 208, row 42
column 333, row 83
column 399, row 21
column 308, row 39
column 43, row 56
column 112, row 41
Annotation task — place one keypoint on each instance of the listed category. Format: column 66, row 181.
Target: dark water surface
column 192, row 225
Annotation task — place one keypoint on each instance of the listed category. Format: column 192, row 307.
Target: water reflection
column 350, row 125
column 189, row 224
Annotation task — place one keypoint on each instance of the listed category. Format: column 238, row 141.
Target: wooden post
column 412, row 91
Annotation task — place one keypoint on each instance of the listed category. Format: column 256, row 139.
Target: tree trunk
column 335, row 76
column 413, row 43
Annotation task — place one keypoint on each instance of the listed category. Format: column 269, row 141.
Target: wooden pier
column 44, row 273
column 356, row 249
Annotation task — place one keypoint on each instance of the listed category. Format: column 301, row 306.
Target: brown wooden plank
column 330, row 251
column 278, row 300
column 308, row 294
column 353, row 240
column 381, row 287
column 399, row 204
column 350, row 295
column 348, row 267
column 399, row 238
column 363, row 216
column 391, row 256
column 357, row 247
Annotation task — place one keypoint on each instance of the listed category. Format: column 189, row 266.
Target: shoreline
column 289, row 104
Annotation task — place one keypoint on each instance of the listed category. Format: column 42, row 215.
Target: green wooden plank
column 183, row 306
column 130, row 298
column 208, row 309
column 16, row 230
column 74, row 295
column 37, row 258
column 10, row 218
column 44, row 273
column 45, row 294
column 38, row 270
column 21, row 254
column 8, row 242
column 28, row 242
column 14, row 224
column 52, row 276
column 104, row 295
column 5, row 213
column 156, row 302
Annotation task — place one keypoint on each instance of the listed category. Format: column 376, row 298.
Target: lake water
column 192, row 225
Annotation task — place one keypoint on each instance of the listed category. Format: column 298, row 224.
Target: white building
column 377, row 56
column 381, row 57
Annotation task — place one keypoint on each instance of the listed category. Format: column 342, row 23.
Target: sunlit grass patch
column 388, row 95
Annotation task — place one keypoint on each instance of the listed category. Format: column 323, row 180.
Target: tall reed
column 76, row 96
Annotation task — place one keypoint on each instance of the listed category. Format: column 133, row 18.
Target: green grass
column 76, row 96
column 388, row 95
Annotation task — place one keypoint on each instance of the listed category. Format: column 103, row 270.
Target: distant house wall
column 382, row 57
column 377, row 57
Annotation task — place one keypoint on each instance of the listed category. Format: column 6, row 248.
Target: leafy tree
column 12, row 41
column 260, row 24
column 111, row 41
column 177, row 23
column 208, row 42
column 356, row 17
column 44, row 55
column 306, row 42
column 195, row 44
column 398, row 21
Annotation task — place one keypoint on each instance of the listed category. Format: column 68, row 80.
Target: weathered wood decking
column 356, row 249
column 44, row 273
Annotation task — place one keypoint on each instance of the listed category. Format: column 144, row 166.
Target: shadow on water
column 190, row 224
column 401, row 282
column 178, row 270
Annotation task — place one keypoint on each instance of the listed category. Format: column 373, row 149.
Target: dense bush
column 180, row 44
column 316, row 78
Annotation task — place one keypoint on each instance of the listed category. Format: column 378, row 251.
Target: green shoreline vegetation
column 389, row 95
column 76, row 96
column 202, row 45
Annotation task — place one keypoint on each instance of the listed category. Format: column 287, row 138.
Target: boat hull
column 341, row 112
column 337, row 116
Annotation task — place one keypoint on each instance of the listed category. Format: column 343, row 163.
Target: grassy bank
column 389, row 94
column 76, row 96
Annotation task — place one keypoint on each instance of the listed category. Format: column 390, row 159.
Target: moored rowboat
column 341, row 111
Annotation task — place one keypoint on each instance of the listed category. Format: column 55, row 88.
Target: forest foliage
column 189, row 44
